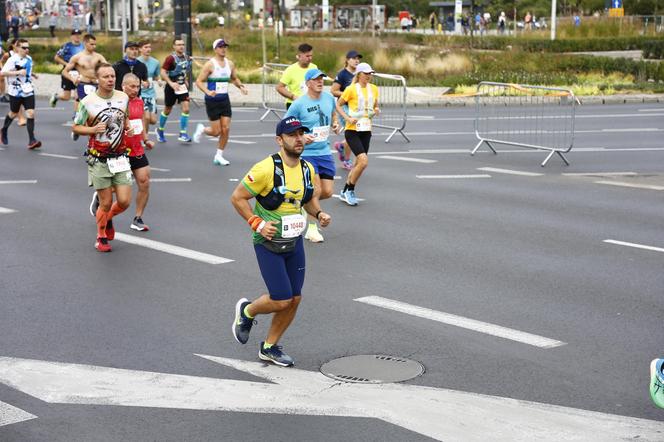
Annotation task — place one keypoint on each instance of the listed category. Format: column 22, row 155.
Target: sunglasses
column 27, row 48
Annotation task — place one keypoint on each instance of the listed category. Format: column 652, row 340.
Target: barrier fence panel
column 391, row 91
column 534, row 117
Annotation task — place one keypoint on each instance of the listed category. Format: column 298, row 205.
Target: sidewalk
column 416, row 97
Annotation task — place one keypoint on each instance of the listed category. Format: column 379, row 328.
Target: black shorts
column 170, row 97
column 16, row 102
column 217, row 109
column 66, row 84
column 358, row 141
column 138, row 162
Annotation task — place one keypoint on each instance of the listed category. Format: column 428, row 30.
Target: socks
column 266, row 345
column 246, row 312
column 102, row 219
column 8, row 122
column 162, row 120
column 184, row 122
column 115, row 210
column 349, row 186
column 31, row 128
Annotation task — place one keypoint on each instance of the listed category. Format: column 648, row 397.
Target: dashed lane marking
column 631, row 185
column 413, row 160
column 463, row 322
column 56, row 155
column 509, row 171
column 6, row 210
column 157, row 169
column 171, row 249
column 636, row 246
column 19, row 182
column 442, row 177
column 170, row 180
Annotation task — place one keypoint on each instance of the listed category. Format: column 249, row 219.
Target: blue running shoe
column 348, row 197
column 160, row 135
column 184, row 137
column 275, row 355
column 242, row 324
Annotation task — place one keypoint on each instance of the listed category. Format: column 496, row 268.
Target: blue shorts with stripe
column 283, row 273
column 324, row 166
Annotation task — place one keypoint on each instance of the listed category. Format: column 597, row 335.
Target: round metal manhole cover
column 372, row 369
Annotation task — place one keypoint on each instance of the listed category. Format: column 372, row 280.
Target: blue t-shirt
column 316, row 115
column 344, row 78
column 69, row 49
column 154, row 70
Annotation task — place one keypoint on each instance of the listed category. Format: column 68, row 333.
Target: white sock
column 220, row 153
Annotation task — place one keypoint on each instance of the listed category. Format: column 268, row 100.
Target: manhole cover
column 372, row 369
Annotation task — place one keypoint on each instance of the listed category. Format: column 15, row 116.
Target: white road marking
column 437, row 413
column 64, row 157
column 233, row 180
column 509, row 171
column 633, row 129
column 173, row 250
column 6, row 210
column 599, row 173
column 157, row 169
column 463, row 322
column 631, row 244
column 19, row 182
column 339, row 198
column 170, row 180
column 12, row 415
column 650, row 110
column 414, row 160
column 231, row 140
column 436, row 177
column 421, row 117
column 530, row 151
column 632, row 185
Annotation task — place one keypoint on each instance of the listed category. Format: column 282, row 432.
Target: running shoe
column 275, row 355
column 160, row 135
column 219, row 160
column 347, row 164
column 184, row 137
column 110, row 230
column 339, row 147
column 74, row 136
column 198, row 133
column 4, row 137
column 94, row 204
column 54, row 99
column 102, row 245
column 348, row 197
column 657, row 382
column 34, row 144
column 313, row 234
column 242, row 324
column 138, row 224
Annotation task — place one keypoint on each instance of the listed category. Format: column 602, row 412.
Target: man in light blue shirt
column 148, row 94
column 316, row 110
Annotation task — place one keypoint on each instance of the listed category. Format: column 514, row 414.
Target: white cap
column 364, row 68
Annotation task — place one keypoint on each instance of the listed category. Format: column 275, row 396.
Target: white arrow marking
column 438, row 413
column 12, row 415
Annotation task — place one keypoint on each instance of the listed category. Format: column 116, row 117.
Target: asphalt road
column 525, row 252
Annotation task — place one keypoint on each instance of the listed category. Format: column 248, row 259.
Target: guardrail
column 391, row 90
column 535, row 117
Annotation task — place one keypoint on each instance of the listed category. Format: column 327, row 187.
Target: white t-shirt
column 18, row 86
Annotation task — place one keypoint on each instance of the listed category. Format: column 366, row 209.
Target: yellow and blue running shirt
column 260, row 181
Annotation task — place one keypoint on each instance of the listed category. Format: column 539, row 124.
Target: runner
column 103, row 116
column 343, row 79
column 362, row 99
column 315, row 109
column 14, row 49
column 130, row 64
column 175, row 71
column 213, row 81
column 148, row 94
column 277, row 223
column 62, row 57
column 137, row 157
column 292, row 84
column 18, row 72
column 84, row 64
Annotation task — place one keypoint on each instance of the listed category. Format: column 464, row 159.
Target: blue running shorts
column 283, row 273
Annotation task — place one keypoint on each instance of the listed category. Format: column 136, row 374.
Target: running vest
column 179, row 72
column 276, row 197
column 219, row 80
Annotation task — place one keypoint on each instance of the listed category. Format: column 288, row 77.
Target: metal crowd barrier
column 391, row 90
column 534, row 117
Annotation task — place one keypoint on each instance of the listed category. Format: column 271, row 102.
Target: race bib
column 221, row 87
column 292, row 226
column 321, row 133
column 89, row 89
column 182, row 89
column 137, row 125
column 119, row 164
column 363, row 125
column 27, row 88
column 73, row 74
